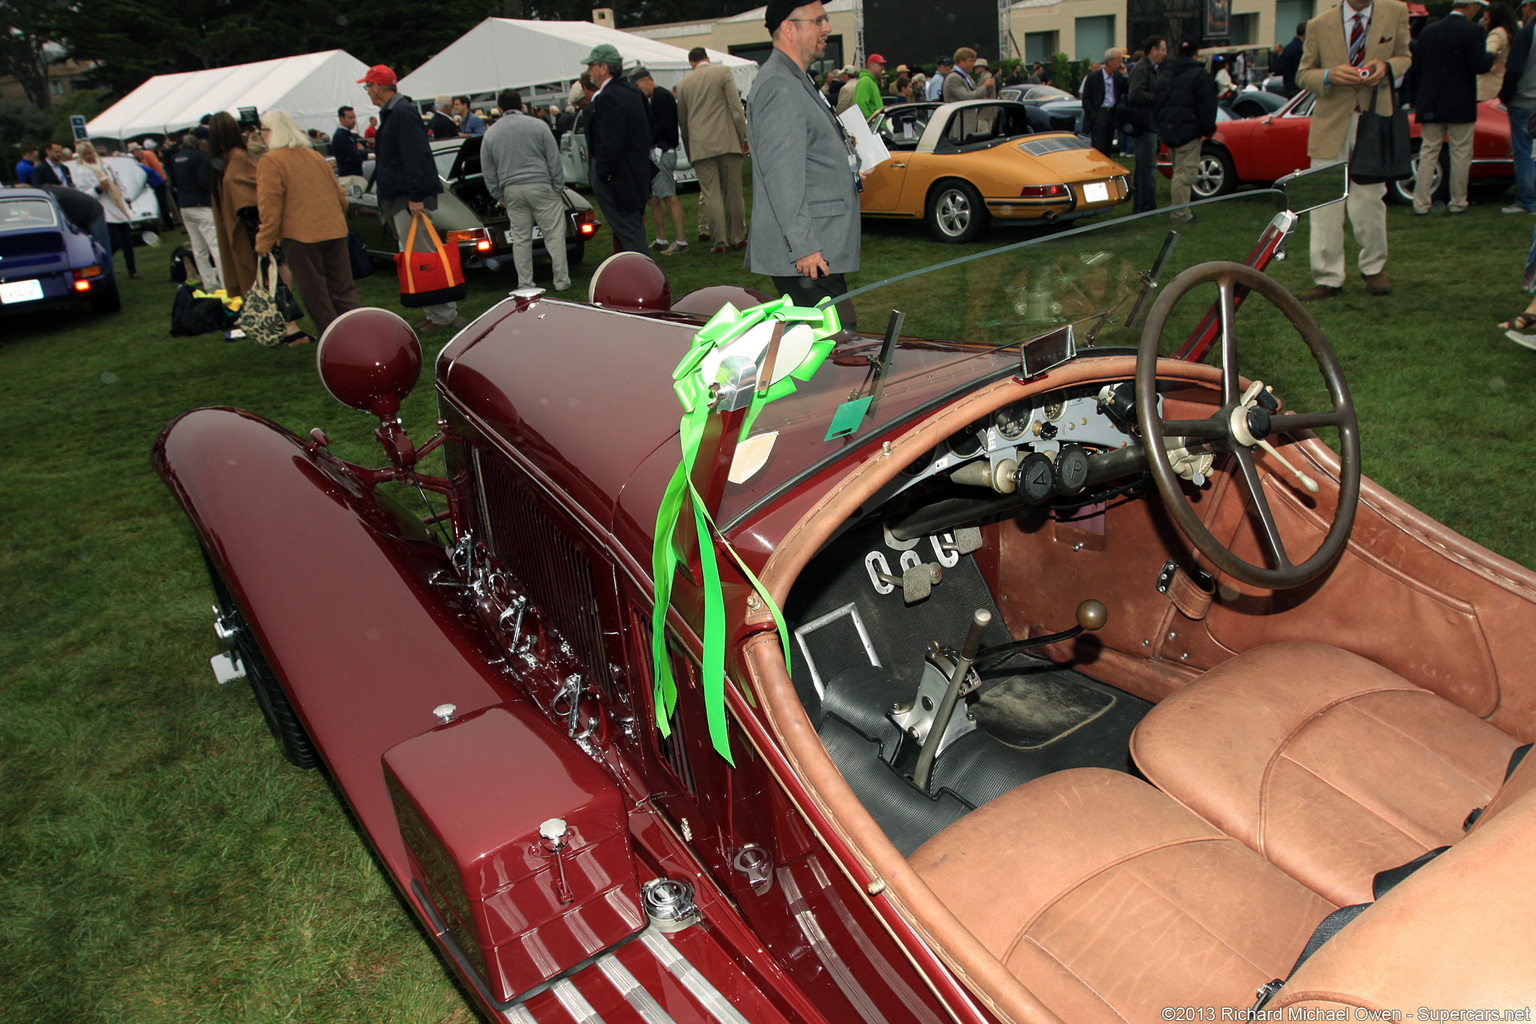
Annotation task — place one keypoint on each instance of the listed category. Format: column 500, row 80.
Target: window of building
column 1245, row 29
column 1039, row 46
column 1094, row 36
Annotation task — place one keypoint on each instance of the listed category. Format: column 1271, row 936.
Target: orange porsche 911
column 959, row 165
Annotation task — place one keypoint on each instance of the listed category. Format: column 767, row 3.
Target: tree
column 28, row 44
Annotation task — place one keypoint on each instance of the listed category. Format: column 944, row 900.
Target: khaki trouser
column 720, row 197
column 204, row 237
column 1186, row 165
column 537, row 204
column 1435, row 134
column 1367, row 216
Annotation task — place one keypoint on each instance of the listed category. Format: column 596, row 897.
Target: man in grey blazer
column 805, row 212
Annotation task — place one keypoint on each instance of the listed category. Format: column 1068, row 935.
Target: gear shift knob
column 1092, row 614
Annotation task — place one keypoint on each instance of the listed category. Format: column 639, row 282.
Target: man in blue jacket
column 1450, row 55
column 1519, row 97
column 619, row 147
column 405, row 177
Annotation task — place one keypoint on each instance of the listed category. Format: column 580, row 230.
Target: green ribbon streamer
column 693, row 391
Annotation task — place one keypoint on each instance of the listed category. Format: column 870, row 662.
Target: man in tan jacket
column 714, row 129
column 1349, row 50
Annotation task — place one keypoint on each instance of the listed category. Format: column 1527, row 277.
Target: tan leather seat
column 1110, row 902
column 1457, row 934
column 1330, row 766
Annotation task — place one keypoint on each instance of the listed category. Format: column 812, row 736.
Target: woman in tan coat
column 304, row 208
column 232, row 186
column 1500, row 22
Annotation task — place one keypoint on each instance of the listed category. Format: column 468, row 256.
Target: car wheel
column 106, row 300
column 280, row 717
column 1401, row 191
column 1215, row 175
column 574, row 253
column 956, row 212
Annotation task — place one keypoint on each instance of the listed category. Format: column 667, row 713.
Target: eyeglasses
column 823, row 20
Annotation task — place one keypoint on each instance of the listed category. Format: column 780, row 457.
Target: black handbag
column 357, row 252
column 191, row 316
column 1382, row 150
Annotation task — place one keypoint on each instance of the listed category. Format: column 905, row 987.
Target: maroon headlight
column 369, row 359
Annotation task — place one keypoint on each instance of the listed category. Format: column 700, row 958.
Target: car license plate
column 21, row 291
column 1096, row 192
column 538, row 233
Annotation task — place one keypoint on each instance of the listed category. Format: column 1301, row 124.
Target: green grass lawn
column 161, row 863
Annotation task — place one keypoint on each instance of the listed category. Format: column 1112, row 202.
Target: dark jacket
column 42, row 174
column 1450, row 55
column 1514, row 66
column 619, row 141
column 348, row 154
column 564, row 121
column 1093, row 97
column 1185, row 106
column 663, row 108
column 189, row 176
column 1141, row 91
column 1288, row 62
column 405, row 164
column 441, row 126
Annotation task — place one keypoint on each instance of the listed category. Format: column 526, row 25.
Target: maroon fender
column 529, row 880
column 340, row 594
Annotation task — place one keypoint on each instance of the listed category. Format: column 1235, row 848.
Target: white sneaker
column 1517, row 208
column 1528, row 340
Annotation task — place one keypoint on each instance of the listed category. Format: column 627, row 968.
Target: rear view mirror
column 1315, row 187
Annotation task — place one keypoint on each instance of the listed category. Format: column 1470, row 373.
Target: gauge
column 1053, row 409
column 966, row 444
column 1071, row 469
column 920, row 466
column 1011, row 422
column 1035, row 478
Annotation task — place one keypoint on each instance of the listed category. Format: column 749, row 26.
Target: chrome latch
column 753, row 862
column 669, row 904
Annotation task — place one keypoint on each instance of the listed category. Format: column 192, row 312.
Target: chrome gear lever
column 924, row 770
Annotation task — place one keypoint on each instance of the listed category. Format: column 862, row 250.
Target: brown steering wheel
column 1243, row 423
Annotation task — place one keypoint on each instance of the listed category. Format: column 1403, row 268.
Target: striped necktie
column 1357, row 41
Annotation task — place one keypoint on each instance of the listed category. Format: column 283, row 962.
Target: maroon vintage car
column 957, row 704
column 1262, row 150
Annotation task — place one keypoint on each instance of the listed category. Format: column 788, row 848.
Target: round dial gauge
column 1011, row 421
column 966, row 444
column 1054, row 409
column 1071, row 469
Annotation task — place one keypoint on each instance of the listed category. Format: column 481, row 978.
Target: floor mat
column 1029, row 711
column 907, row 817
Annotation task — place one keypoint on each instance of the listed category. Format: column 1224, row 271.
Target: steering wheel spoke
column 1209, row 429
column 1273, row 543
column 1231, row 380
column 1234, row 429
column 1291, row 422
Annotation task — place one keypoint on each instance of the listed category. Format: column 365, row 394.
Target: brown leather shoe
column 1377, row 283
column 1321, row 291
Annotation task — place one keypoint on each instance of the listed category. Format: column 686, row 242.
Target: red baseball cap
column 379, row 74
column 875, row 57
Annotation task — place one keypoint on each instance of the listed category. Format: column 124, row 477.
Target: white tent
column 508, row 53
column 310, row 87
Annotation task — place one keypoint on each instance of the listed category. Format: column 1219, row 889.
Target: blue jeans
column 1525, row 166
column 1145, row 181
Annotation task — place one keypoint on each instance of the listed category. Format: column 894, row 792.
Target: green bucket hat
column 604, row 53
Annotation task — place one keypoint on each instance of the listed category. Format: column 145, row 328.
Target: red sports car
column 1261, row 150
column 716, row 662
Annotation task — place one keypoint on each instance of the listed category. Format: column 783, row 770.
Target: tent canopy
column 508, row 53
column 310, row 87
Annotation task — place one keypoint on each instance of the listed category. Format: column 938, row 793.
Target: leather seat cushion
column 1109, row 901
column 1458, row 933
column 1330, row 766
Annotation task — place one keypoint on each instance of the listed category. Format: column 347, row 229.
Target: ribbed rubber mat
column 908, row 818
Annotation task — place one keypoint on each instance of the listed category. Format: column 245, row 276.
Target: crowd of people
column 246, row 191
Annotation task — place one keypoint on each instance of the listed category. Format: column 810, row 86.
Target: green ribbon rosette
column 696, row 394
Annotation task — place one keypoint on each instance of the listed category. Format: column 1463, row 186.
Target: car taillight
column 587, row 224
column 82, row 285
column 480, row 238
column 91, row 271
column 1045, row 192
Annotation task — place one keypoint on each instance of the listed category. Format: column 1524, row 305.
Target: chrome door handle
column 893, row 164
